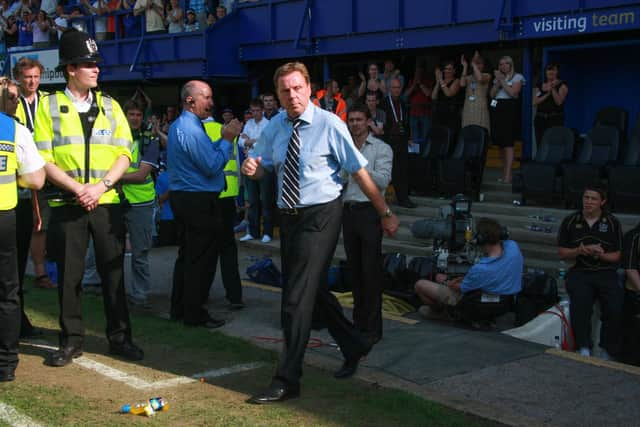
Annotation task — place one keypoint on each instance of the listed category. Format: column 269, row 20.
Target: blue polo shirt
column 496, row 275
column 326, row 147
column 193, row 162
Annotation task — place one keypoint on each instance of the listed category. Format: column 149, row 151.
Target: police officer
column 227, row 248
column 17, row 154
column 84, row 137
column 140, row 193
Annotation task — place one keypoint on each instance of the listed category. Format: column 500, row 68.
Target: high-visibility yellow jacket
column 144, row 192
column 21, row 114
column 60, row 139
column 8, row 163
column 214, row 131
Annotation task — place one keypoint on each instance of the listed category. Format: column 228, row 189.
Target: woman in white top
column 41, row 30
column 175, row 17
column 505, row 112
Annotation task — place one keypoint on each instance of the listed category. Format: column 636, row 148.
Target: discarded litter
column 149, row 408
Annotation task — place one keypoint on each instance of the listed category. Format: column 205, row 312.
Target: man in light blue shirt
column 196, row 177
column 307, row 160
column 499, row 272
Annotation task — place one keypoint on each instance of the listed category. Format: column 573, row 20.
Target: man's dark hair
column 488, row 231
column 256, row 102
column 359, row 107
column 597, row 188
column 132, row 104
column 372, row 93
column 268, row 94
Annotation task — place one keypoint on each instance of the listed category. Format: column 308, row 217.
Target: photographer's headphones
column 480, row 239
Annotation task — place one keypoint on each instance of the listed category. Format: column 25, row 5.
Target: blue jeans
column 138, row 220
column 420, row 127
column 261, row 197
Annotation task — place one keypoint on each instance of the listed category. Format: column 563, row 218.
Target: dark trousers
column 261, row 196
column 400, row 171
column 69, row 229
column 9, row 299
column 584, row 288
column 362, row 235
column 307, row 243
column 24, row 228
column 631, row 328
column 228, row 251
column 199, row 215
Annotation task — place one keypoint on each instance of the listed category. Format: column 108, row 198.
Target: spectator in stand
column 221, row 12
column 199, row 7
column 25, row 29
column 171, row 113
column 499, row 272
column 419, row 95
column 505, row 112
column 167, row 228
column 378, row 116
column 390, row 73
column 5, row 9
column 77, row 19
column 60, row 22
column 261, row 192
column 361, row 230
column 592, row 240
column 11, row 32
column 350, row 91
column 270, row 105
column 445, row 97
column 549, row 100
column 248, row 115
column 97, row 9
column 175, row 17
column 374, row 83
column 41, row 30
column 475, row 110
column 211, row 19
column 227, row 116
column 131, row 22
column 153, row 15
column 332, row 101
column 192, row 23
column 114, row 21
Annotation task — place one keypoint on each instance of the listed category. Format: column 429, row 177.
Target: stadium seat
column 613, row 116
column 422, row 168
column 462, row 172
column 624, row 179
column 541, row 176
column 598, row 152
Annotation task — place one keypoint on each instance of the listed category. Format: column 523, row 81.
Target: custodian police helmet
column 76, row 47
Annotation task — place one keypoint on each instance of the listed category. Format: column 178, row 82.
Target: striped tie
column 291, row 179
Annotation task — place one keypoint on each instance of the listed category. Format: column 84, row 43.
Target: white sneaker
column 266, row 238
column 584, row 351
column 246, row 237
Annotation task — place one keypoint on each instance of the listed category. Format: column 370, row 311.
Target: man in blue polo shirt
column 196, row 178
column 499, row 272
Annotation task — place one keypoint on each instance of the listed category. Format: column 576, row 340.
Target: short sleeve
column 472, row 280
column 29, row 160
column 151, row 154
column 564, row 236
column 343, row 148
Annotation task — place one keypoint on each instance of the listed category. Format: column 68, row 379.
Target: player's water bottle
column 562, row 273
column 149, row 408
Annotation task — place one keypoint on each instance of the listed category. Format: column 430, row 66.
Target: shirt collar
column 74, row 100
column 307, row 114
column 370, row 139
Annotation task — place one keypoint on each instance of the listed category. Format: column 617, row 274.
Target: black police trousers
column 9, row 300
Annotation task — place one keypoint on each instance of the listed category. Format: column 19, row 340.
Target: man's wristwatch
column 387, row 213
column 108, row 183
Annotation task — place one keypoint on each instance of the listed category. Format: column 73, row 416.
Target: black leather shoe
column 275, row 393
column 33, row 332
column 349, row 367
column 127, row 350
column 210, row 323
column 7, row 376
column 63, row 356
column 236, row 305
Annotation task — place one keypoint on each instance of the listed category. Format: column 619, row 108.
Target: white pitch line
column 12, row 417
column 140, row 384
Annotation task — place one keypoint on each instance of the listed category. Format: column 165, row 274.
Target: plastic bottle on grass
column 149, row 408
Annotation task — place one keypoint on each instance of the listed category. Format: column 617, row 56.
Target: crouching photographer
column 488, row 287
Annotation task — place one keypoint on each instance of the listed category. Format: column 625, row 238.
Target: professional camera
column 453, row 230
